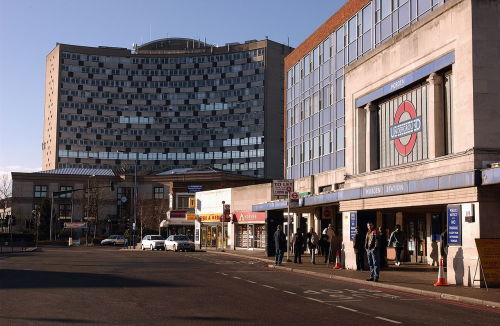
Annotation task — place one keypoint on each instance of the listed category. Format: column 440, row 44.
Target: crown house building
column 170, row 103
column 392, row 118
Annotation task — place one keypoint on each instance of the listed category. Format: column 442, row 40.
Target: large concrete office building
column 170, row 103
column 392, row 117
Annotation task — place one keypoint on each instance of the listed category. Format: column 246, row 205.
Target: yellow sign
column 192, row 202
column 210, row 217
column 190, row 217
column 489, row 254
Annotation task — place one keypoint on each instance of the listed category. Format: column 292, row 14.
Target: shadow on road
column 207, row 318
column 26, row 279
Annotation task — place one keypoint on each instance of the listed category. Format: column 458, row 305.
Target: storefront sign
column 194, row 188
column 374, row 191
column 352, row 225
column 204, row 218
column 245, row 217
column 454, row 226
column 75, row 225
column 282, row 187
column 178, row 214
column 400, row 129
column 489, row 254
column 190, row 217
column 395, row 188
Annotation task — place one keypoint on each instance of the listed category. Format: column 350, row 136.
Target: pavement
column 409, row 278
column 10, row 250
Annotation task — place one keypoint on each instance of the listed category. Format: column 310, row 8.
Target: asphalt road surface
column 106, row 286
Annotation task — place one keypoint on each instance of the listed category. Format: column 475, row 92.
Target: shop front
column 250, row 230
column 211, row 228
column 178, row 223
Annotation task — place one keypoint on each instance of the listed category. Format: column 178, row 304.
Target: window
column 66, row 188
column 448, row 104
column 158, row 192
column 65, row 211
column 183, row 201
column 40, row 191
column 340, row 138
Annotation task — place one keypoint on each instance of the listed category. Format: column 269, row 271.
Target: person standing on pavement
column 383, row 247
column 312, row 243
column 396, row 240
column 298, row 243
column 359, row 250
column 330, row 233
column 372, row 246
column 279, row 244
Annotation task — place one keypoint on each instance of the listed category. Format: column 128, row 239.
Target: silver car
column 114, row 240
column 179, row 242
column 153, row 242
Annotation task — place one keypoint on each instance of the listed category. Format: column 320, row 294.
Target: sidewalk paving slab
column 409, row 278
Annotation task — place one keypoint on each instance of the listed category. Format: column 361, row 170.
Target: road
column 106, row 286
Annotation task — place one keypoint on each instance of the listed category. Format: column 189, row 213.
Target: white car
column 153, row 242
column 114, row 240
column 179, row 242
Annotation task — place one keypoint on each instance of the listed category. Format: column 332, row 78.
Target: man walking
column 396, row 240
column 312, row 243
column 279, row 244
column 298, row 243
column 359, row 250
column 372, row 246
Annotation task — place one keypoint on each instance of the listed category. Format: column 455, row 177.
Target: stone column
column 371, row 137
column 435, row 109
column 360, row 141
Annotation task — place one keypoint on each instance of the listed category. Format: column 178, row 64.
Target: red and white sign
column 245, row 217
column 294, row 195
column 406, row 129
column 282, row 187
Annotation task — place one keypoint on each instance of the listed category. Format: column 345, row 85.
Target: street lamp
column 134, row 194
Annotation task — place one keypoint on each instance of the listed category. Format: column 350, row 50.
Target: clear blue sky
column 29, row 30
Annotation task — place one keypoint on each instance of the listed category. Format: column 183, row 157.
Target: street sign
column 194, row 188
column 294, row 195
column 282, row 187
column 227, row 209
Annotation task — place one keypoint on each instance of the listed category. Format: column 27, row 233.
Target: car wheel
column 142, row 247
column 174, row 248
column 151, row 247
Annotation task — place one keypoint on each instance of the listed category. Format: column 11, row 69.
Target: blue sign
column 454, row 226
column 194, row 188
column 352, row 224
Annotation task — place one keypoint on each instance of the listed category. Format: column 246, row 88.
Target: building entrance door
column 416, row 237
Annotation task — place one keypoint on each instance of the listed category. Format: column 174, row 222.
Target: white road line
column 342, row 307
column 251, row 281
column 224, row 274
column 313, row 299
column 289, row 292
column 268, row 286
column 389, row 320
column 236, row 277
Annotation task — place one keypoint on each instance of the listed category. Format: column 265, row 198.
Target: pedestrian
column 331, row 238
column 383, row 247
column 372, row 246
column 359, row 250
column 279, row 244
column 312, row 243
column 298, row 243
column 396, row 240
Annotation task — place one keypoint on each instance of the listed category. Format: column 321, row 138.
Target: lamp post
column 223, row 215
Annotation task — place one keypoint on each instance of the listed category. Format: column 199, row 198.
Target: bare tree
column 5, row 188
column 152, row 212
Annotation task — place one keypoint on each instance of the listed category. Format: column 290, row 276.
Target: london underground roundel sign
column 407, row 127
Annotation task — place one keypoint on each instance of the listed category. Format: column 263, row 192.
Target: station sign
column 282, row 187
column 352, row 225
column 454, row 225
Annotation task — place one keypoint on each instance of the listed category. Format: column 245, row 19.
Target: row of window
column 171, row 60
column 316, row 147
column 163, row 156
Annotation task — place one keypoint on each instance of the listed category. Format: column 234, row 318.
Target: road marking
column 289, row 292
column 236, row 277
column 389, row 320
column 251, row 281
column 342, row 307
column 313, row 299
column 268, row 286
column 224, row 274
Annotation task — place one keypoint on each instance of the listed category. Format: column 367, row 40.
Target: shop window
column 65, row 211
column 40, row 191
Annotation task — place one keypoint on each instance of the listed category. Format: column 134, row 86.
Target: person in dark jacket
column 312, row 243
column 383, row 247
column 372, row 246
column 279, row 244
column 359, row 250
column 396, row 240
column 298, row 244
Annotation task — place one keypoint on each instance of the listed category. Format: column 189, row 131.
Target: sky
column 30, row 29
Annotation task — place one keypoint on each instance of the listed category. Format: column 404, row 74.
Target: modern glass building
column 171, row 103
column 315, row 107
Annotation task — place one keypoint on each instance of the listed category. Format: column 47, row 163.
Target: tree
column 5, row 191
column 44, row 229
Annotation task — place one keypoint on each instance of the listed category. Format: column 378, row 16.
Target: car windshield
column 181, row 237
column 156, row 237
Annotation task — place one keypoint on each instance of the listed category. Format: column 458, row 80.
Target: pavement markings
column 350, row 309
column 313, row 299
column 289, row 292
column 251, row 281
column 224, row 274
column 236, row 277
column 268, row 286
column 388, row 320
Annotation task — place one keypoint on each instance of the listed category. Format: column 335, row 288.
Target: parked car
column 114, row 240
column 153, row 242
column 179, row 242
